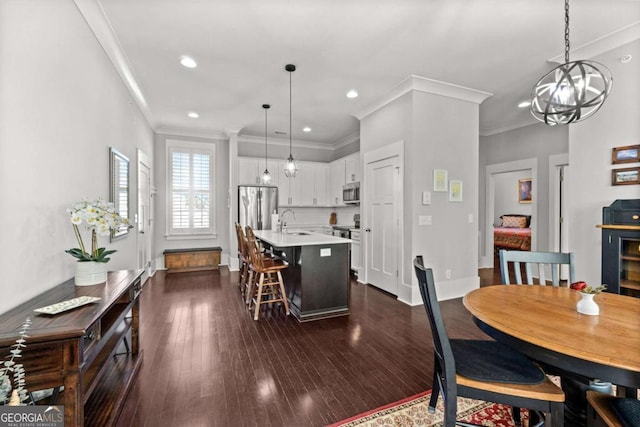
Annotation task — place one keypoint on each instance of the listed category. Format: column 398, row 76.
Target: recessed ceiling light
column 306, row 129
column 626, row 58
column 352, row 93
column 188, row 61
column 193, row 114
column 524, row 104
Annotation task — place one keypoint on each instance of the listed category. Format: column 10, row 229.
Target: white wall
column 222, row 204
column 438, row 133
column 590, row 143
column 62, row 105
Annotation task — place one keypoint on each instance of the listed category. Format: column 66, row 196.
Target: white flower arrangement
column 99, row 217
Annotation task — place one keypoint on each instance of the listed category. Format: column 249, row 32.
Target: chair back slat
column 554, row 261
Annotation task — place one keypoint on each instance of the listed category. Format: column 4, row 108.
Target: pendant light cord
column 567, row 45
column 290, row 115
column 265, row 138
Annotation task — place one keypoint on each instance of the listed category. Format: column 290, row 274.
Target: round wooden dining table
column 543, row 323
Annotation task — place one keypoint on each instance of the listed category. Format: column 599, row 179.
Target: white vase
column 90, row 273
column 587, row 305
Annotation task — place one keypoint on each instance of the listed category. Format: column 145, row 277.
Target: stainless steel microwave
column 351, row 193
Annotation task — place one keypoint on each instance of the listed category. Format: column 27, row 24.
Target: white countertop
column 292, row 238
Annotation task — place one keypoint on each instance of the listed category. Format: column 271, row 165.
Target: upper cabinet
column 352, row 168
column 250, row 170
column 316, row 184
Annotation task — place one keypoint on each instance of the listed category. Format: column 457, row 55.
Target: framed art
column 626, row 176
column 524, row 190
column 440, row 180
column 455, row 191
column 627, row 154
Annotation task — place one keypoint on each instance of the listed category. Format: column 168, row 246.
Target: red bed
column 512, row 238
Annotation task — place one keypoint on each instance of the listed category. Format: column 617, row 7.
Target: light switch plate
column 426, row 197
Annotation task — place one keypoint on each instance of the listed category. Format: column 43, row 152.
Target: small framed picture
column 524, row 190
column 455, row 191
column 440, row 180
column 626, row 176
column 628, row 154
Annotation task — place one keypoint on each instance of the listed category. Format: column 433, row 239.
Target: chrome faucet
column 283, row 225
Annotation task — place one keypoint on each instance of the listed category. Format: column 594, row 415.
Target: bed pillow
column 514, row 221
column 528, row 217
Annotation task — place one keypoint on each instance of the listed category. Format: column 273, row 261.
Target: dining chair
column 484, row 370
column 541, row 259
column 610, row 411
column 244, row 262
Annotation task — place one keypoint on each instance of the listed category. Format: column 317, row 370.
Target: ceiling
column 242, row 46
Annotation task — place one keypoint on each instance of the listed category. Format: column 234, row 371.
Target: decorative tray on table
column 67, row 305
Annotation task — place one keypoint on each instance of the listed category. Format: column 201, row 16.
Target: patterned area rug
column 412, row 411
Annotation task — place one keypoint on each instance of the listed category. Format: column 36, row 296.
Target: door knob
column 367, row 229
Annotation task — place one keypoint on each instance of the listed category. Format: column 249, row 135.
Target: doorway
column 144, row 215
column 492, row 176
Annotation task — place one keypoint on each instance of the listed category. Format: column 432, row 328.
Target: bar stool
column 265, row 275
column 243, row 259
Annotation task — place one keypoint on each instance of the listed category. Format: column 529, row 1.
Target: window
column 190, row 188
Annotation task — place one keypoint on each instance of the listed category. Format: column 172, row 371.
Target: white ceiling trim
column 521, row 124
column 285, row 143
column 347, row 140
column 99, row 24
column 423, row 84
column 193, row 134
column 602, row 44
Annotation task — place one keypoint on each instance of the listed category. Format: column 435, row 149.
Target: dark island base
column 317, row 284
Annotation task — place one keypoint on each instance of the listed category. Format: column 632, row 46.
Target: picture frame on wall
column 455, row 191
column 626, row 154
column 625, row 176
column 440, row 180
column 524, row 190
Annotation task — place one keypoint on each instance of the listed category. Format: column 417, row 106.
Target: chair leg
column 249, row 288
column 556, row 417
column 258, row 297
column 515, row 413
column 283, row 293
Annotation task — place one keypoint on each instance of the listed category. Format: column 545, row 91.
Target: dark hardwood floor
column 208, row 363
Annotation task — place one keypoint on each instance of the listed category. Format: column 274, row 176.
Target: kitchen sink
column 297, row 233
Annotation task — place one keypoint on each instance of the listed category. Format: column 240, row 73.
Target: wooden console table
column 93, row 351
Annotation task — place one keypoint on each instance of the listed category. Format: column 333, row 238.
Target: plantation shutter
column 190, row 190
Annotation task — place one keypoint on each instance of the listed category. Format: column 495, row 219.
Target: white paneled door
column 144, row 223
column 382, row 224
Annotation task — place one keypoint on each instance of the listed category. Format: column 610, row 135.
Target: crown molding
column 250, row 139
column 507, row 128
column 422, row 84
column 347, row 140
column 193, row 133
column 96, row 19
column 603, row 44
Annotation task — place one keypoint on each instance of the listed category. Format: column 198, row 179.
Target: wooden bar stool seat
column 267, row 286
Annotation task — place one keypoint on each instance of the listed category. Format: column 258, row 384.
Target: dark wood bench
column 192, row 259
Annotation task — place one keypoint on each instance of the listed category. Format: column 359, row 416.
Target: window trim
column 191, row 147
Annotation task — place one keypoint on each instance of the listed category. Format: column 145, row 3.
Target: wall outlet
column 470, row 218
column 447, row 274
column 325, row 251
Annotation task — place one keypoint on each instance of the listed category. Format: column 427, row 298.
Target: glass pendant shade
column 266, row 176
column 290, row 169
column 571, row 92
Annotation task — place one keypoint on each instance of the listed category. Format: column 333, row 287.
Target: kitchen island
column 317, row 279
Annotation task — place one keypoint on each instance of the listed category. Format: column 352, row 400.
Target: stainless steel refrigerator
column 256, row 204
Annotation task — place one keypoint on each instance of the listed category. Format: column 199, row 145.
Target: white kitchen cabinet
column 308, row 188
column 336, row 182
column 250, row 170
column 352, row 168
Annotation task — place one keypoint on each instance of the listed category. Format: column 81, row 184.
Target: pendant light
column 266, row 176
column 290, row 169
column 571, row 92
